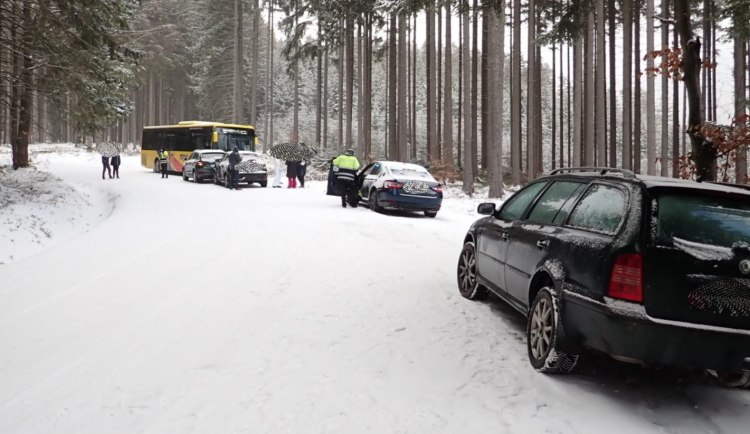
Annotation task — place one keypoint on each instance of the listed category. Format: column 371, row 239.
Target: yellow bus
column 182, row 139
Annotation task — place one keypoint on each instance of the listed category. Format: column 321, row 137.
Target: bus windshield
column 230, row 137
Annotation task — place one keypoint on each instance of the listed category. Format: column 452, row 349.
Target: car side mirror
column 486, row 208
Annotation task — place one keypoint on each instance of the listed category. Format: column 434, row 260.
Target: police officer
column 163, row 162
column 345, row 170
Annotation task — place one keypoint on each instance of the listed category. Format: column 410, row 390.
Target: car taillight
column 392, row 184
column 627, row 278
column 200, row 164
column 438, row 189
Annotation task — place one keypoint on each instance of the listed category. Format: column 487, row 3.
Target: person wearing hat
column 345, row 170
column 163, row 156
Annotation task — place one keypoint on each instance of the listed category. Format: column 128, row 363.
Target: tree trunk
column 319, row 91
column 271, row 109
column 151, row 97
column 515, row 96
column 591, row 109
column 414, row 92
column 635, row 128
column 577, row 101
column 238, row 114
column 256, row 66
column 703, row 152
column 341, row 61
column 601, row 88
column 664, row 95
column 349, row 79
column 554, row 106
column 740, row 106
column 612, row 122
column 486, row 91
column 675, row 118
column 459, row 136
column 650, row 92
column 468, row 174
column 21, row 152
column 392, row 94
column 562, row 118
column 531, row 97
column 474, row 82
column 448, row 100
column 496, row 45
column 402, row 148
column 627, row 69
column 431, row 106
column 325, row 96
column 438, row 83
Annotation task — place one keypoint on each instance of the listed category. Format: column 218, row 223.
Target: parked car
column 390, row 185
column 252, row 169
column 646, row 269
column 200, row 164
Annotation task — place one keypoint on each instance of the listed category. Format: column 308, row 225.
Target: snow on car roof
column 210, row 151
column 400, row 166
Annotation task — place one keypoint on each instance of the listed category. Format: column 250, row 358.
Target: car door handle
column 506, row 237
column 542, row 244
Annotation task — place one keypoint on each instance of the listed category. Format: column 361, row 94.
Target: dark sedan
column 389, row 185
column 200, row 165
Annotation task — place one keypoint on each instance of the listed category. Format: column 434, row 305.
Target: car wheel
column 467, row 274
column 184, row 176
column 195, row 177
column 373, row 200
column 263, row 184
column 430, row 214
column 734, row 380
column 216, row 179
column 157, row 169
column 542, row 330
column 226, row 180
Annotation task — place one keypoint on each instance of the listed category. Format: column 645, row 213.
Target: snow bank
column 39, row 210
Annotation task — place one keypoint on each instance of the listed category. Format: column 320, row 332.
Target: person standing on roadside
column 105, row 167
column 301, row 172
column 345, row 170
column 115, row 161
column 291, row 173
column 163, row 157
column 277, row 175
column 234, row 159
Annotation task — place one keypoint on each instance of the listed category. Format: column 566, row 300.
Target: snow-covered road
column 195, row 309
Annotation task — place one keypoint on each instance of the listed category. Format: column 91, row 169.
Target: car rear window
column 600, row 210
column 715, row 220
column 211, row 157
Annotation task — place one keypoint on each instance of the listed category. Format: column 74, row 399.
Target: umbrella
column 293, row 151
column 108, row 149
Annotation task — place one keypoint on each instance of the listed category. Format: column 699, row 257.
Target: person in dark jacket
column 234, row 159
column 301, row 171
column 291, row 173
column 115, row 161
column 105, row 167
column 163, row 157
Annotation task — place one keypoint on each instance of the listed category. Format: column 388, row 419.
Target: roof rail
column 602, row 171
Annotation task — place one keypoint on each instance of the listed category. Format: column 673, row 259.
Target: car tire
column 734, row 380
column 157, row 169
column 195, row 177
column 543, row 328
column 184, row 176
column 372, row 199
column 216, row 179
column 430, row 214
column 466, row 274
column 263, row 184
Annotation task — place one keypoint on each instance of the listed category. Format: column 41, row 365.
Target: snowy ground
column 191, row 308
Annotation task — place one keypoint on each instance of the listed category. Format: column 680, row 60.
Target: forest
column 489, row 91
